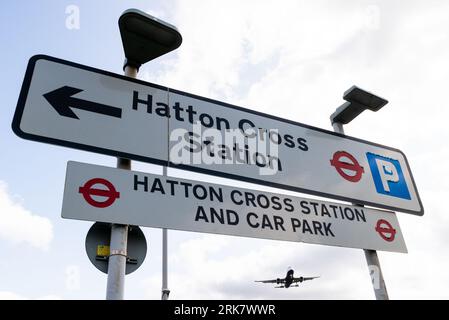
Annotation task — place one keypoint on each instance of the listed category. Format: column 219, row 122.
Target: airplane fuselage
column 289, row 278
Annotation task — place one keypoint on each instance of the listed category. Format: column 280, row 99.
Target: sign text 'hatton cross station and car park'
column 68, row 104
column 98, row 193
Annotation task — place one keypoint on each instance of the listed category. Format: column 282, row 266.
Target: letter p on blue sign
column 388, row 177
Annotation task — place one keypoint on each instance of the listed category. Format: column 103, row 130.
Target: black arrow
column 61, row 99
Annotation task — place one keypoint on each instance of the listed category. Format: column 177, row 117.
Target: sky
column 291, row 59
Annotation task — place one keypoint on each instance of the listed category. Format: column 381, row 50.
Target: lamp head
column 358, row 100
column 145, row 37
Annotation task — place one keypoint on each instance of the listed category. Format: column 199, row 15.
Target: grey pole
column 165, row 290
column 380, row 289
column 119, row 238
column 377, row 278
column 117, row 263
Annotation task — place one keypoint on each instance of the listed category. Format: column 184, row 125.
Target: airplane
column 288, row 280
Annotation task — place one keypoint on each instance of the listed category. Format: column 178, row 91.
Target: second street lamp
column 359, row 100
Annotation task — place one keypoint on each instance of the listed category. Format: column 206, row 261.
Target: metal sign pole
column 380, row 289
column 165, row 290
column 119, row 237
column 117, row 262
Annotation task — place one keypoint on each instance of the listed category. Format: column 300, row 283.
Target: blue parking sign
column 388, row 177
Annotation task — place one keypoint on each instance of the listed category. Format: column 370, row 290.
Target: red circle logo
column 385, row 230
column 353, row 169
column 109, row 193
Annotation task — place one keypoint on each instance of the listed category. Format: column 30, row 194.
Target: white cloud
column 295, row 60
column 19, row 225
column 225, row 43
column 8, row 295
column 220, row 267
column 50, row 297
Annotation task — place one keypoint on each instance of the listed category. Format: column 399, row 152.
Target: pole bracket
column 115, row 252
column 165, row 293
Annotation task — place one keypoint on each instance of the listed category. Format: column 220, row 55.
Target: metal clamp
column 116, row 252
column 165, row 294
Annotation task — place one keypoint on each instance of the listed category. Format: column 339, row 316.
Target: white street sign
column 81, row 107
column 60, row 103
column 97, row 193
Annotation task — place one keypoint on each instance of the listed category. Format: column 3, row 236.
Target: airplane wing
column 301, row 279
column 278, row 281
column 310, row 278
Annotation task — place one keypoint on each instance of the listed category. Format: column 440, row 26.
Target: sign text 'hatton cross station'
column 68, row 104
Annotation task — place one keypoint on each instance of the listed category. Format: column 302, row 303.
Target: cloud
column 19, row 225
column 220, row 267
column 295, row 61
column 230, row 46
column 8, row 295
column 49, row 297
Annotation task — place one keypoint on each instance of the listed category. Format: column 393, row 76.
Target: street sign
column 81, row 107
column 76, row 106
column 167, row 202
column 97, row 243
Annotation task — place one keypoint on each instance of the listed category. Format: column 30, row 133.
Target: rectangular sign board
column 97, row 193
column 81, row 107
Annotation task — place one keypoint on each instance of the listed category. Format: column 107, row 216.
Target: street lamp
column 144, row 38
column 359, row 100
